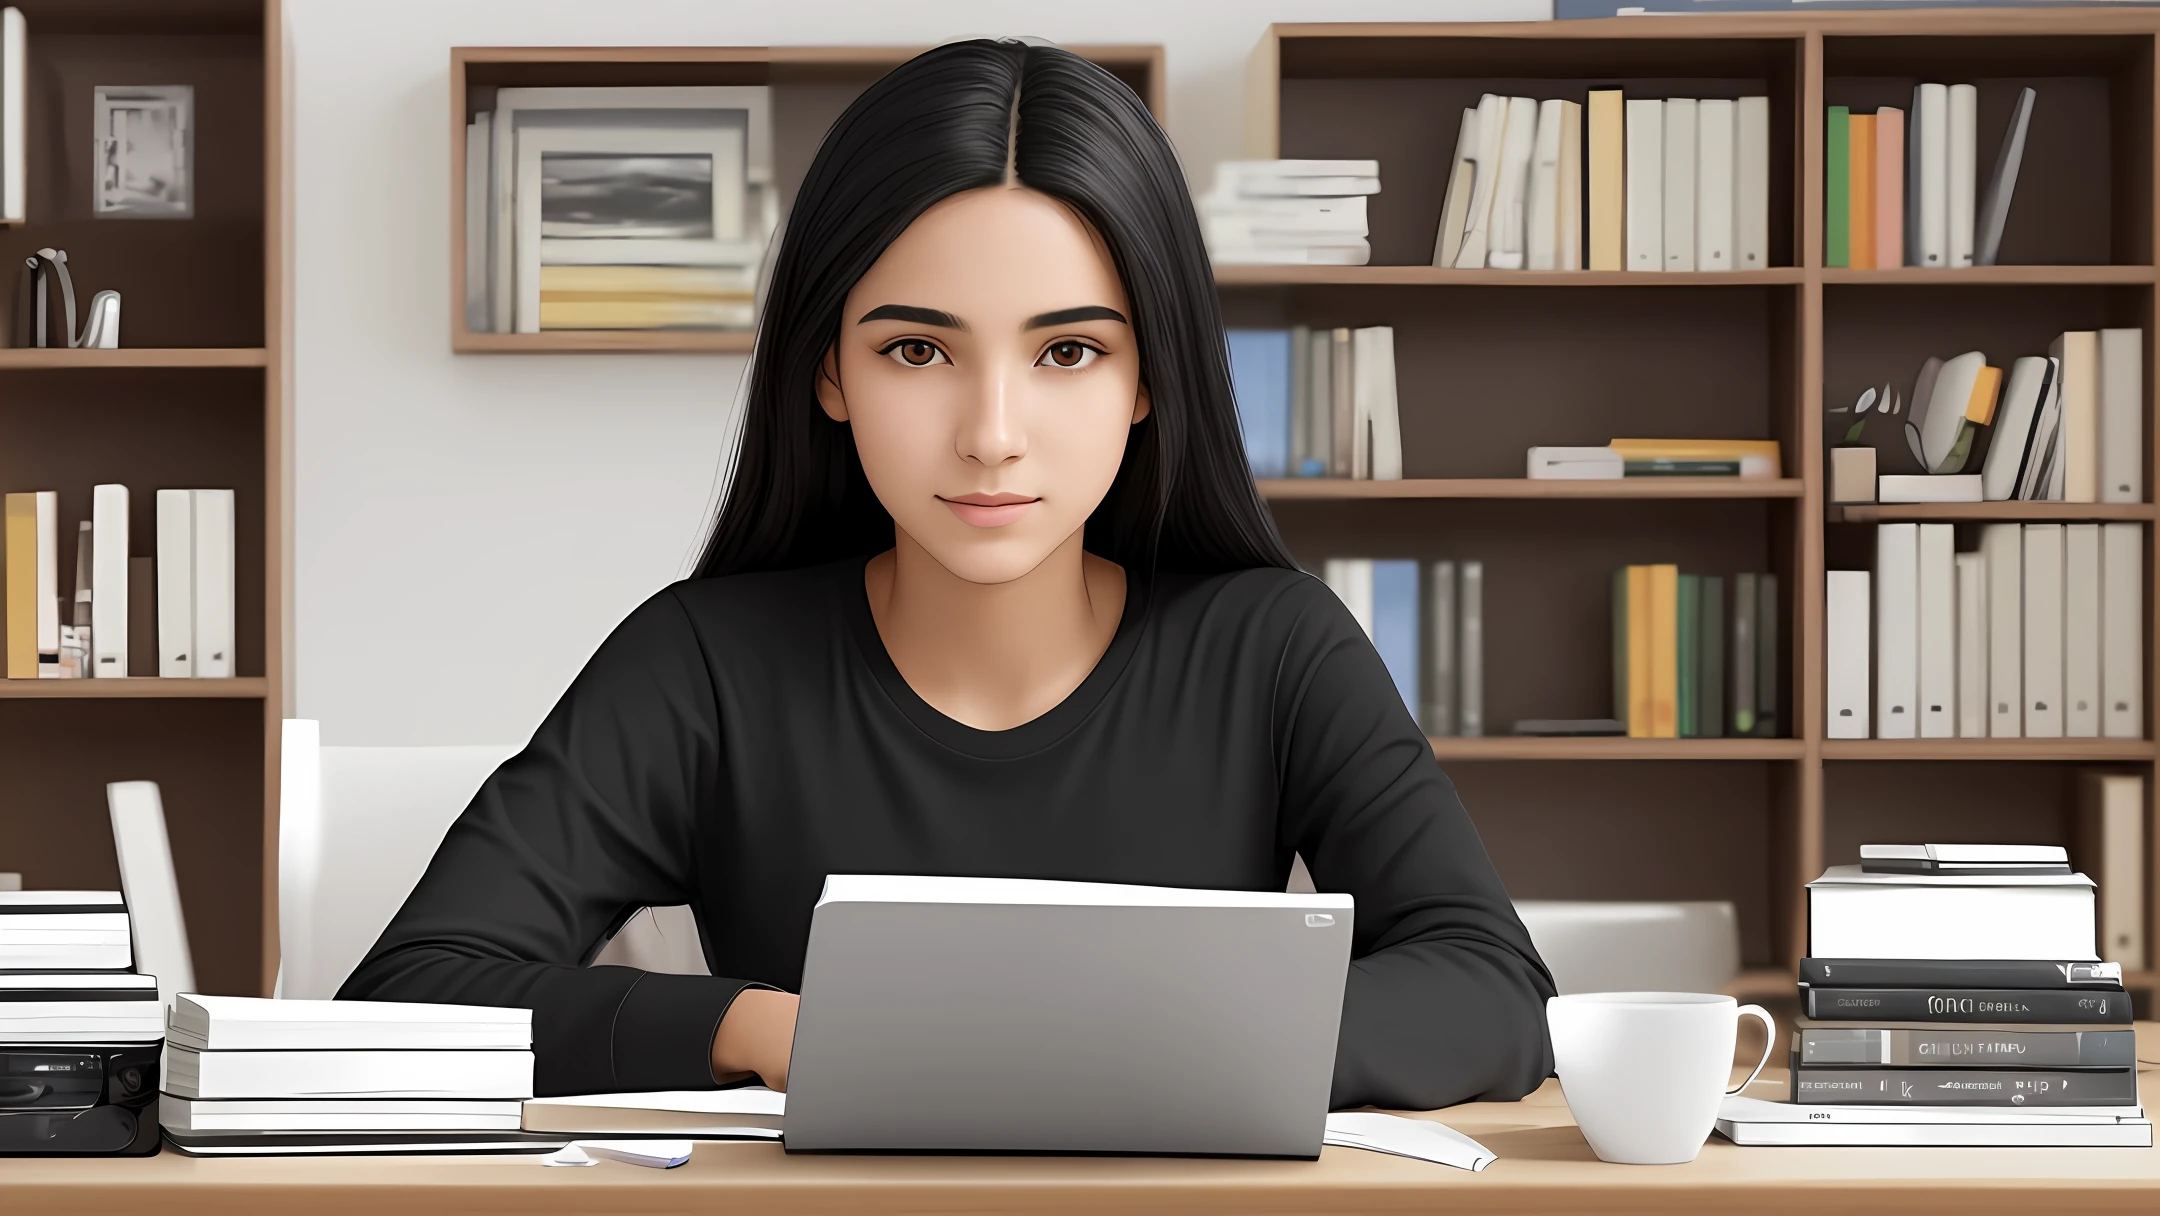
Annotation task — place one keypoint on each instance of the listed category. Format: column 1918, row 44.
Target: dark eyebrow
column 911, row 312
column 1066, row 316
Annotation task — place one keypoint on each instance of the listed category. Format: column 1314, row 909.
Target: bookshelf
column 196, row 396
column 811, row 86
column 1491, row 362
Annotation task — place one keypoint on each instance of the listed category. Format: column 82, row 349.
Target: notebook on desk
column 1003, row 1015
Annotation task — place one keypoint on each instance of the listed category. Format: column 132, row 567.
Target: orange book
column 1638, row 652
column 1987, row 385
column 1861, row 140
column 1664, row 623
column 22, row 568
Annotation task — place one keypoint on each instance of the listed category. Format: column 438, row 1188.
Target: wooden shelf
column 1756, row 983
column 2074, row 750
column 1614, row 747
column 1524, row 487
column 605, row 341
column 2038, row 276
column 1434, row 276
column 2030, row 512
column 137, row 356
column 244, row 688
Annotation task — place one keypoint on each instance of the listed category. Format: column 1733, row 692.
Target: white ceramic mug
column 1644, row 1071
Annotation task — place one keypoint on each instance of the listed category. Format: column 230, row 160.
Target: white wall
column 469, row 528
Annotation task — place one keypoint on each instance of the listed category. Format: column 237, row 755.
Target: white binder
column 1931, row 110
column 1897, row 629
column 1972, row 640
column 176, row 583
column 1511, row 194
column 2081, row 631
column 2122, row 630
column 1845, row 626
column 2043, row 631
column 2003, row 547
column 2122, row 415
column 214, row 584
column 109, row 581
column 1542, row 240
column 1679, row 198
column 1713, row 185
column 1492, row 116
column 1937, row 629
column 1645, row 184
column 1751, row 184
column 1963, row 171
column 48, row 581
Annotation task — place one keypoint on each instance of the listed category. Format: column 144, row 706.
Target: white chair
column 1626, row 946
column 356, row 829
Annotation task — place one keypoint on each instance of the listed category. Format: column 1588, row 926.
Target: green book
column 1837, row 188
column 1619, row 646
column 1687, row 654
column 1710, row 708
column 1663, row 466
column 1743, row 654
column 1766, row 681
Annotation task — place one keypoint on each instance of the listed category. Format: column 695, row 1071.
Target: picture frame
column 142, row 165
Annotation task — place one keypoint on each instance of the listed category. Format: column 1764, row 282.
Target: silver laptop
column 1023, row 1016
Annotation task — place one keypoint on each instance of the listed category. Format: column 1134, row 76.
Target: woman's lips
column 989, row 510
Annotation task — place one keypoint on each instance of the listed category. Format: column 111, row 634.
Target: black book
column 1965, row 1047
column 1955, row 973
column 2065, row 1006
column 1963, row 1087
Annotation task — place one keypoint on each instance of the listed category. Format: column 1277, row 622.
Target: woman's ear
column 829, row 396
column 1141, row 405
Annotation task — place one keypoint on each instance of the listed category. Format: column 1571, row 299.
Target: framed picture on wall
column 144, row 151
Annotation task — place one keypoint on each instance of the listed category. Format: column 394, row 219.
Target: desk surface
column 1544, row 1167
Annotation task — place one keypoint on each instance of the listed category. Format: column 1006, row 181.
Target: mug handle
column 1769, row 1044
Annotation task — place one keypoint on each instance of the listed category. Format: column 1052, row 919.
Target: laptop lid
column 1018, row 1015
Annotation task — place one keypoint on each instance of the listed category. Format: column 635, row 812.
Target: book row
column 121, row 615
column 1318, row 402
column 1903, row 193
column 1620, row 183
column 1427, row 620
column 1289, row 212
column 1679, row 670
column 2038, row 634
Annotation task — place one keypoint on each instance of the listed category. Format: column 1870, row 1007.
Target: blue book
column 1260, row 376
column 1395, row 624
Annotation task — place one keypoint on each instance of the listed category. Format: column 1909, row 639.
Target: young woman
column 992, row 594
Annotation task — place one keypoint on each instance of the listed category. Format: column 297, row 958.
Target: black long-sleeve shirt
column 737, row 739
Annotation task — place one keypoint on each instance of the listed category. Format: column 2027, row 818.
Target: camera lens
column 131, row 1081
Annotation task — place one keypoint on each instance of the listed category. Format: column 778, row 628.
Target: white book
column 248, row 1023
column 1757, row 1110
column 1928, row 487
column 2003, row 547
column 1570, row 213
column 1679, row 188
column 1645, row 184
column 2081, row 631
column 476, row 213
column 1846, row 618
column 466, row 1075
column 152, row 890
column 2122, row 415
column 14, row 116
column 1962, row 167
column 214, row 592
column 2078, row 465
column 1972, row 646
column 1511, row 195
column 1350, row 578
column 2122, row 630
column 2024, row 390
column 1543, row 238
column 1931, row 125
column 78, row 1007
column 190, row 1116
column 1852, row 914
column 1244, row 170
column 1713, row 184
column 109, row 580
column 63, row 931
column 1938, row 632
column 1751, row 184
column 1470, row 650
column 2043, row 633
column 48, row 580
column 1934, row 1133
column 1492, row 117
column 502, row 222
column 1455, row 208
column 1375, row 374
column 176, row 583
column 1897, row 632
column 2111, row 835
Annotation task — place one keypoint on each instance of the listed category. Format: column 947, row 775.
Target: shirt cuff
column 664, row 1031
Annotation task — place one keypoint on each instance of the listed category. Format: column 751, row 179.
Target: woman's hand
column 756, row 1036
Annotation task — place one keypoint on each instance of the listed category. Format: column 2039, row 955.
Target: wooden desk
column 1544, row 1167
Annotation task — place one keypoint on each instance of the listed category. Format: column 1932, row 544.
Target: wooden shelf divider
column 1990, row 512
column 244, row 688
column 25, row 358
column 1613, row 747
column 2093, row 751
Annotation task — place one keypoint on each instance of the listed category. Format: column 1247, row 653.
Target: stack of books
column 65, row 959
column 2039, row 634
column 1318, row 402
column 1953, row 996
column 1674, row 184
column 247, row 1076
column 119, row 615
column 1679, row 670
column 1906, row 193
column 1427, row 620
column 1289, row 212
column 1741, row 458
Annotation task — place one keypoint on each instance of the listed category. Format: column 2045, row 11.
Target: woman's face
column 987, row 367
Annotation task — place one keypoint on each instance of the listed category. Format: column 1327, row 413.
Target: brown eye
column 914, row 352
column 1068, row 356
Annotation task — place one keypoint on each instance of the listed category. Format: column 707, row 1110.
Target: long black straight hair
column 961, row 117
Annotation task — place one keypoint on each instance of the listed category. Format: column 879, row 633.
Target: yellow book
column 1606, row 136
column 1987, row 385
column 21, row 539
column 1638, row 619
column 671, row 313
column 1664, row 623
column 1861, row 147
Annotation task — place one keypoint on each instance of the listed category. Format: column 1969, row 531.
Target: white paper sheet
column 749, row 1100
column 1421, row 1139
column 655, row 1154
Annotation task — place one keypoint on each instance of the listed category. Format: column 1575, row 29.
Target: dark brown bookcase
column 1491, row 362
column 195, row 397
